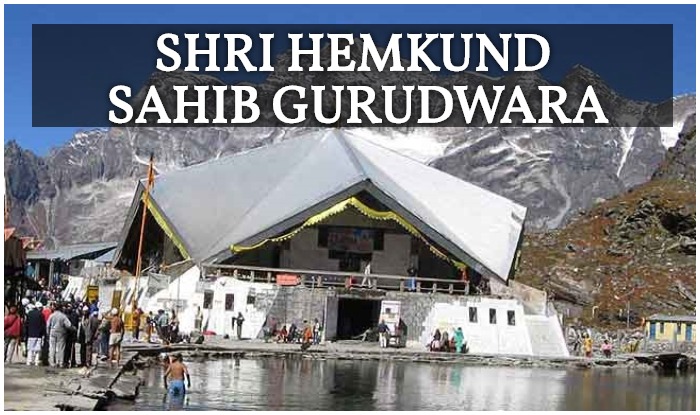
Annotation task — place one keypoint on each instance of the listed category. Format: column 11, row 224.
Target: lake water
column 278, row 384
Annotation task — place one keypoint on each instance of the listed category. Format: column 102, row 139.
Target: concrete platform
column 215, row 346
column 39, row 388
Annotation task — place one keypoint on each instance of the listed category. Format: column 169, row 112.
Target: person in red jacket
column 46, row 311
column 13, row 332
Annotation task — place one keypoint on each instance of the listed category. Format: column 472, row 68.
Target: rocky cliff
column 638, row 247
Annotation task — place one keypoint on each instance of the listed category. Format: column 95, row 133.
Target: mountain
column 638, row 246
column 680, row 161
column 80, row 191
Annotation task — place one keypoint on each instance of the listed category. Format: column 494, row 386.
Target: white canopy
column 249, row 196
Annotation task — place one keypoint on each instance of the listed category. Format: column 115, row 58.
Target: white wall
column 217, row 318
column 482, row 336
column 182, row 288
column 546, row 335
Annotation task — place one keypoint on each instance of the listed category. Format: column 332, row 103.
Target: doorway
column 355, row 316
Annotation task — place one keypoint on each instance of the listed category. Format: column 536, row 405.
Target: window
column 473, row 317
column 492, row 315
column 661, row 327
column 378, row 240
column 322, row 237
column 208, row 299
column 250, row 299
column 228, row 303
column 678, row 328
column 511, row 318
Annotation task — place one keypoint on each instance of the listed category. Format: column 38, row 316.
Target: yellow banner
column 93, row 293
column 160, row 220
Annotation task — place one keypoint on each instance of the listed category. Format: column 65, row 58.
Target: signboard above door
column 287, row 279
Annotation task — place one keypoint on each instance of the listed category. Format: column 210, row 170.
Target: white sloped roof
column 483, row 224
column 247, row 196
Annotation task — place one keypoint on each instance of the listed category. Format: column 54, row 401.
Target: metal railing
column 320, row 279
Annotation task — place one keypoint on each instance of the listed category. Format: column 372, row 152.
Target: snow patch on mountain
column 683, row 108
column 415, row 144
column 627, row 141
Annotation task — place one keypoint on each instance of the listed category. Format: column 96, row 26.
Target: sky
column 19, row 20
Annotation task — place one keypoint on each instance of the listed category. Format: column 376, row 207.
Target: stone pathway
column 40, row 388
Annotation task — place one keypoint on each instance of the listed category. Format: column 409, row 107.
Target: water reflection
column 277, row 384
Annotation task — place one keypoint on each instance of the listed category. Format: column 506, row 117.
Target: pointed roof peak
column 256, row 194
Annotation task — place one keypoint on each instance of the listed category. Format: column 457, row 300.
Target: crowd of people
column 72, row 333
column 165, row 325
column 580, row 343
column 62, row 334
column 442, row 342
column 308, row 333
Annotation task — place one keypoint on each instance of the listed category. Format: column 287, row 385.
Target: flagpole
column 149, row 184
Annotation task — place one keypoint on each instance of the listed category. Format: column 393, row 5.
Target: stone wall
column 668, row 347
column 498, row 326
column 296, row 304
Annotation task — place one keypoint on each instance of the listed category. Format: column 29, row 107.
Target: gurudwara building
column 332, row 226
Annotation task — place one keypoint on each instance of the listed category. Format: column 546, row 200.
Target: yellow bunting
column 365, row 210
column 166, row 229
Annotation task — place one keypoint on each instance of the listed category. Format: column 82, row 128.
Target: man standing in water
column 176, row 372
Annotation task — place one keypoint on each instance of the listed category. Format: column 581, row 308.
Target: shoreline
column 219, row 348
column 43, row 388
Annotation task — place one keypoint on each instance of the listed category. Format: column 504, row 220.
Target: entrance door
column 330, row 323
column 688, row 332
column 355, row 316
column 652, row 330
